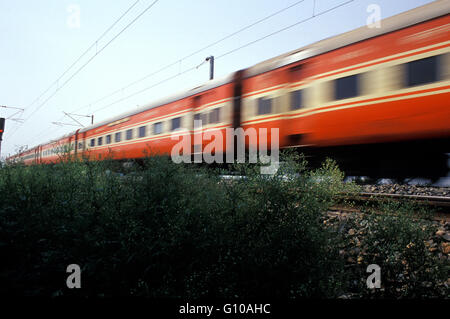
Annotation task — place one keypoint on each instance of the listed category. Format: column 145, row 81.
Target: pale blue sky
column 38, row 45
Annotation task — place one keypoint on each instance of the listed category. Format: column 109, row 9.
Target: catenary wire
column 184, row 58
column 86, row 63
column 191, row 54
column 227, row 53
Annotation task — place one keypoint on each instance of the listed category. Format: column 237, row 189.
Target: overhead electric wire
column 225, row 54
column 147, row 88
column 193, row 53
column 84, row 53
column 85, row 64
column 81, row 56
column 188, row 56
column 228, row 52
column 283, row 29
column 98, row 52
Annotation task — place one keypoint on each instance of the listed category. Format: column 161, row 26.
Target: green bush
column 166, row 230
column 158, row 229
column 398, row 239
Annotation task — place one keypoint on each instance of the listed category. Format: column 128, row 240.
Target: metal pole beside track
column 211, row 66
column 2, row 129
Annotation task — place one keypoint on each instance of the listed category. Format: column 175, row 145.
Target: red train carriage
column 359, row 90
column 150, row 128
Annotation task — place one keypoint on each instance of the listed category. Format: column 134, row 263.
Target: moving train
column 373, row 98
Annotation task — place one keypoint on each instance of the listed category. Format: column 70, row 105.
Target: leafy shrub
column 399, row 242
column 158, row 229
column 161, row 229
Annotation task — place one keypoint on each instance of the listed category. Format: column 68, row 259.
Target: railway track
column 439, row 204
column 436, row 201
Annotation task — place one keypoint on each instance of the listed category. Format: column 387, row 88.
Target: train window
column 264, row 106
column 196, row 119
column 118, row 137
column 108, row 139
column 296, row 100
column 203, row 117
column 444, row 66
column 346, row 87
column 176, row 123
column 142, row 131
column 157, row 128
column 129, row 134
column 100, row 141
column 422, row 71
column 80, row 145
column 214, row 116
column 93, row 142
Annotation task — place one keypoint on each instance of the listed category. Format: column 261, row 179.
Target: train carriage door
column 296, row 130
column 196, row 127
column 76, row 142
column 82, row 141
column 69, row 147
column 237, row 99
column 236, row 110
column 36, row 155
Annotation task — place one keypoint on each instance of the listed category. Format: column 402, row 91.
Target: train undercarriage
column 401, row 160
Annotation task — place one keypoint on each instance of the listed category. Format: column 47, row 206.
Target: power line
column 227, row 53
column 97, row 53
column 85, row 64
column 184, row 58
column 84, row 53
column 284, row 29
column 37, row 137
column 192, row 54
column 79, row 58
column 147, row 88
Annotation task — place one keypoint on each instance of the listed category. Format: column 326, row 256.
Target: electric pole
column 211, row 66
column 71, row 116
column 2, row 128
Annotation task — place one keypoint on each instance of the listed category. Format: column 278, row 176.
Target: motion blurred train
column 373, row 98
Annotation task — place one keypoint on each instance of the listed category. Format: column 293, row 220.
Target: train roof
column 403, row 20
column 420, row 14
